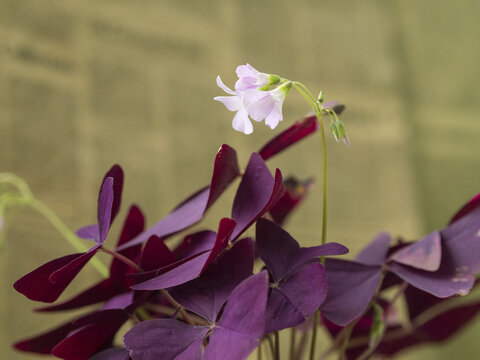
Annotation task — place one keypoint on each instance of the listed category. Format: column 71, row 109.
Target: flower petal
column 224, row 87
column 232, row 103
column 241, row 122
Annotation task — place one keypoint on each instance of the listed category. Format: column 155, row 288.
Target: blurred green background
column 87, row 84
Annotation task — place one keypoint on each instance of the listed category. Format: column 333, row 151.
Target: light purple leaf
column 165, row 339
column 375, row 253
column 424, row 254
column 89, row 232
column 351, row 286
column 257, row 192
column 195, row 243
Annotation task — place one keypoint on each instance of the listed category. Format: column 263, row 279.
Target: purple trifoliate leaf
column 206, row 295
column 156, row 254
column 425, row 254
column 242, row 322
column 165, row 339
column 375, row 253
column 281, row 252
column 295, row 298
column 190, row 211
column 257, row 192
column 351, row 286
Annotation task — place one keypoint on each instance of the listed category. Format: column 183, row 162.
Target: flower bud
column 320, row 97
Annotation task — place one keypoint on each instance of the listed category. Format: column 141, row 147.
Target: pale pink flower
column 250, row 78
column 235, row 102
column 267, row 105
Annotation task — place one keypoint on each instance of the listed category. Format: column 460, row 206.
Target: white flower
column 235, row 102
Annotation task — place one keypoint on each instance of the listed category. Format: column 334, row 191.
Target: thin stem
column 301, row 345
column 348, row 332
column 314, row 335
column 292, row 343
column 259, row 351
column 270, row 343
column 67, row 234
column 277, row 345
column 122, row 258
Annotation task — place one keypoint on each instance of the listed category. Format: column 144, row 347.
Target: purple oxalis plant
column 183, row 293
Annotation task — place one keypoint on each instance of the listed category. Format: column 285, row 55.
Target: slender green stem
column 292, row 342
column 63, row 229
column 270, row 343
column 316, row 106
column 277, row 345
column 314, row 335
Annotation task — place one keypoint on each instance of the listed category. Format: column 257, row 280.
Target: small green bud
column 273, row 79
column 320, row 97
column 333, row 128
column 378, row 326
column 342, row 133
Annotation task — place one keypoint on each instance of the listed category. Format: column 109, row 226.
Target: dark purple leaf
column 104, row 214
column 467, row 208
column 257, row 192
column 282, row 254
column 242, row 322
column 295, row 192
column 190, row 211
column 165, row 339
column 94, row 331
column 102, row 291
column 47, row 282
column 206, row 295
column 351, row 286
column 156, row 254
column 116, row 173
column 112, row 354
column 195, row 243
column 45, row 342
column 299, row 130
column 192, row 268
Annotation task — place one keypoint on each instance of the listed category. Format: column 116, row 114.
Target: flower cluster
column 254, row 98
column 200, row 297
